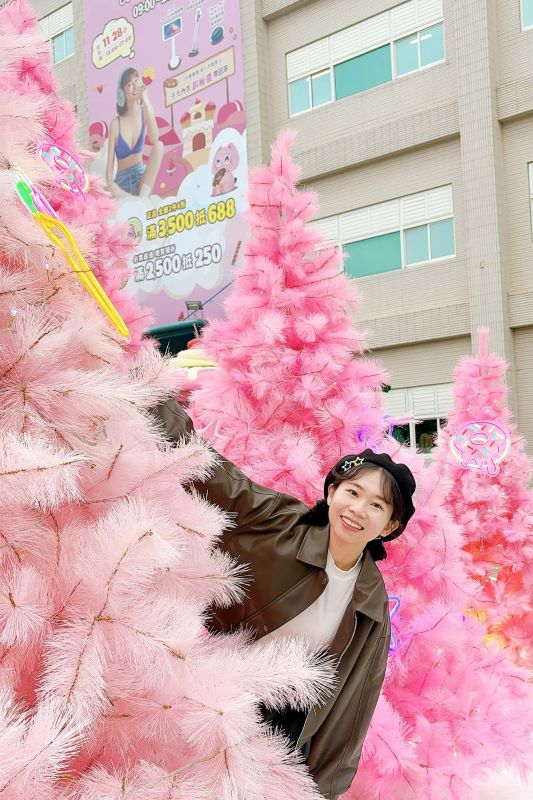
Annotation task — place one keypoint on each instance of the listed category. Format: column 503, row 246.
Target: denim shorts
column 130, row 178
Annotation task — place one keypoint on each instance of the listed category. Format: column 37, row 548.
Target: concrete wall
column 71, row 72
column 523, row 340
column 517, row 152
column 423, row 364
column 411, row 289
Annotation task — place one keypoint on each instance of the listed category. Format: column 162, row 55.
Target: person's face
column 132, row 89
column 358, row 512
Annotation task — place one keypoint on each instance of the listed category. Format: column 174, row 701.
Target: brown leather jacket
column 287, row 560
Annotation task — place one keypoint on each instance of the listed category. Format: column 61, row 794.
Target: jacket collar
column 369, row 592
column 314, row 548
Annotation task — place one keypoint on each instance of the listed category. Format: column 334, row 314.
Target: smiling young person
column 314, row 574
column 127, row 133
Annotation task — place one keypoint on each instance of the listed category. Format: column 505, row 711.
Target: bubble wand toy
column 41, row 210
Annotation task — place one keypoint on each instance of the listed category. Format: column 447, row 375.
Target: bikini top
column 123, row 150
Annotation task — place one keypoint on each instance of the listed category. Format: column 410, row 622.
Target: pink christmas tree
column 288, row 343
column 110, row 686
column 490, row 497
column 293, row 392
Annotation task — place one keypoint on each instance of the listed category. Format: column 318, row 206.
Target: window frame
column 374, row 274
column 402, row 229
column 63, row 33
column 331, row 86
column 392, row 44
column 306, row 78
column 430, row 260
column 359, row 55
column 420, row 68
column 339, row 239
column 412, row 432
column 309, row 79
column 59, row 23
column 412, row 429
column 522, row 25
column 397, row 76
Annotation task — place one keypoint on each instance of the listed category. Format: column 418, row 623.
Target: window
column 374, row 255
column 527, row 13
column 429, row 242
column 397, row 234
column 407, row 38
column 402, row 434
column 423, row 433
column 428, row 405
column 363, row 72
column 58, row 27
column 63, row 45
column 407, row 54
column 419, row 50
column 310, row 92
column 321, row 88
column 422, row 244
column 300, row 96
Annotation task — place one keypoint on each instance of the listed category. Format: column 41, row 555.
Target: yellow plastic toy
column 53, row 227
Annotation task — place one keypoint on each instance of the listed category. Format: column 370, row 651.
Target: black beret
column 400, row 472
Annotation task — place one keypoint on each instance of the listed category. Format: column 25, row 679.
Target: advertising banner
column 167, row 127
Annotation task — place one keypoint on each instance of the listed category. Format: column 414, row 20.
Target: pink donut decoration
column 72, row 175
column 480, row 445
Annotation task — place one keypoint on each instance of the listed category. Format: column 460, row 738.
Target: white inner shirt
column 320, row 621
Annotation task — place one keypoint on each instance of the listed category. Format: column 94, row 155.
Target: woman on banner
column 127, row 134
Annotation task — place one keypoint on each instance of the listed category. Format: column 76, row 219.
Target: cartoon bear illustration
column 225, row 161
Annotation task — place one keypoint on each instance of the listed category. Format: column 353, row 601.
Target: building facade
column 415, row 127
column 62, row 24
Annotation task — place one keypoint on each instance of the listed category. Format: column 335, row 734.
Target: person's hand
column 144, row 96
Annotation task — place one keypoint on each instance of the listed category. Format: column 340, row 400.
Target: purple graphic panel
column 167, row 127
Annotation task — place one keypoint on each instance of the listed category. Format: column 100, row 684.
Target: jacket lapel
column 368, row 592
column 369, row 589
column 314, row 548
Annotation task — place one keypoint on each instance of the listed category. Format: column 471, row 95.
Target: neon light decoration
column 393, row 611
column 41, row 210
column 480, row 445
column 73, row 177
